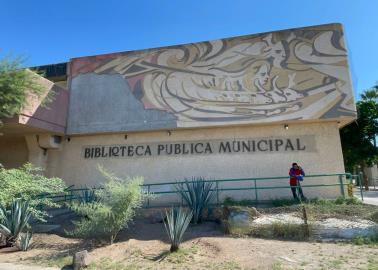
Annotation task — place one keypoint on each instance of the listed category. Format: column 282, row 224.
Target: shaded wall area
column 13, row 151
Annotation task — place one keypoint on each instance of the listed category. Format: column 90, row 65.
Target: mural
column 285, row 75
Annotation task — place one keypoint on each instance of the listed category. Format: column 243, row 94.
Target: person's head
column 295, row 165
column 262, row 74
column 257, row 73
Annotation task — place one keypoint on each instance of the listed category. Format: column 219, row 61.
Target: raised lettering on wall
column 210, row 147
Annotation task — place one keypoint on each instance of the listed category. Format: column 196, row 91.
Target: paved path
column 11, row 266
column 370, row 197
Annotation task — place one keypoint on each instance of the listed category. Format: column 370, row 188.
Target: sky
column 47, row 32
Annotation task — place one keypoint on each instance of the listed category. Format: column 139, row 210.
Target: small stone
column 288, row 259
column 80, row 260
column 238, row 220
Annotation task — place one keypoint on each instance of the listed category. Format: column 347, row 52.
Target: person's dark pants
column 294, row 189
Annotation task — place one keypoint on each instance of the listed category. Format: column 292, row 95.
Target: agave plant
column 25, row 240
column 14, row 220
column 88, row 196
column 197, row 194
column 176, row 225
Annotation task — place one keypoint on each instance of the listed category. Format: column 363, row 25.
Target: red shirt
column 293, row 179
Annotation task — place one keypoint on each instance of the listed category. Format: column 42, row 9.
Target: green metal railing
column 253, row 184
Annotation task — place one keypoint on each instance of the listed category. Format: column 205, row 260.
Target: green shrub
column 284, row 202
column 348, row 201
column 27, row 183
column 14, row 220
column 371, row 240
column 197, row 194
column 115, row 208
column 176, row 225
column 228, row 201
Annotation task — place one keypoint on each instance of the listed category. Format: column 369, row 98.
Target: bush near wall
column 116, row 205
column 29, row 184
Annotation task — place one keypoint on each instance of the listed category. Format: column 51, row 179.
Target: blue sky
column 54, row 31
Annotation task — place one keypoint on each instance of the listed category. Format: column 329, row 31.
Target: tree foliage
column 27, row 183
column 114, row 208
column 359, row 138
column 16, row 83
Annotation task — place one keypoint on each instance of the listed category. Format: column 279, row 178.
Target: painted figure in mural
column 296, row 174
column 264, row 78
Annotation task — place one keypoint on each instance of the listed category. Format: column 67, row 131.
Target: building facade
column 232, row 108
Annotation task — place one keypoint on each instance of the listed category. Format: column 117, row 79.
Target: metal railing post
column 256, row 195
column 217, row 190
column 148, row 198
column 182, row 198
column 342, row 186
column 360, row 176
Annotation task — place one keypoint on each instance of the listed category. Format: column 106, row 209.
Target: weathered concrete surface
column 104, row 103
column 11, row 266
column 330, row 228
column 344, row 229
column 370, row 197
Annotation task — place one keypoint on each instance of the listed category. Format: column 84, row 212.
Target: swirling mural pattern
column 285, row 75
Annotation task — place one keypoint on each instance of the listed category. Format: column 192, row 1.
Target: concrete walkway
column 370, row 197
column 11, row 266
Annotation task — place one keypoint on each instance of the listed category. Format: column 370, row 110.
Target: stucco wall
column 327, row 158
column 372, row 174
column 13, row 151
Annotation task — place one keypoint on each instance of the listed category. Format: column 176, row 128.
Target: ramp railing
column 256, row 185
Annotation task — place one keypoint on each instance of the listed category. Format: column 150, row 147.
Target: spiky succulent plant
column 177, row 221
column 14, row 220
column 197, row 194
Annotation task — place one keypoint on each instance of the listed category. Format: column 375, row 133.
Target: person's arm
column 303, row 173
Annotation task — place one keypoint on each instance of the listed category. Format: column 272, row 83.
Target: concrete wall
column 13, row 151
column 289, row 75
column 326, row 157
column 372, row 174
column 46, row 116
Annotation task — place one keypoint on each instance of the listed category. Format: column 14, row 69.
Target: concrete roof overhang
column 38, row 117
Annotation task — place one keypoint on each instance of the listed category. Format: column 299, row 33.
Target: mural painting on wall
column 285, row 75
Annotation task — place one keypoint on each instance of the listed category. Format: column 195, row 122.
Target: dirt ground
column 145, row 246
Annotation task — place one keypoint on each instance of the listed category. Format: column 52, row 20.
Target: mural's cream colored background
column 69, row 163
column 289, row 75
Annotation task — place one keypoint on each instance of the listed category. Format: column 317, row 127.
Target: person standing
column 296, row 174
